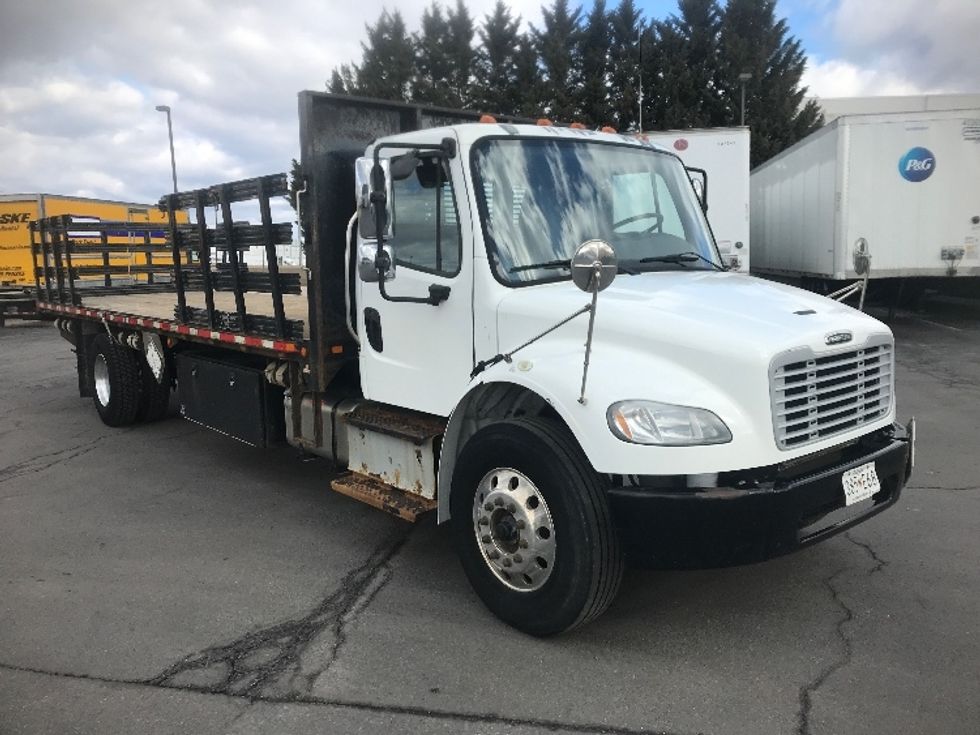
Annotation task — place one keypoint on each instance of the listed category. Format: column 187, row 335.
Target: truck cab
column 726, row 419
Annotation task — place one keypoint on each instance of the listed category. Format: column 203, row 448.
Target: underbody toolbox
column 231, row 398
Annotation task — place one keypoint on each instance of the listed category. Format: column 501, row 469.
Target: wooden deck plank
column 160, row 305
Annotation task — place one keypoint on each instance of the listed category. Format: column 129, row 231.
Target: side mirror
column 366, row 181
column 699, row 180
column 594, row 266
column 367, row 269
column 403, row 166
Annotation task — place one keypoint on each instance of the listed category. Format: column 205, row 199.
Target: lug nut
column 522, row 543
column 506, row 561
column 487, row 506
column 521, row 524
column 518, row 558
column 498, row 501
column 485, row 539
column 511, row 508
column 483, row 521
column 493, row 554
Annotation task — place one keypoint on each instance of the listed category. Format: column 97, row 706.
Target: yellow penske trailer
column 18, row 210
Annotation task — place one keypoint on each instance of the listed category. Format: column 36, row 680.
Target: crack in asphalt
column 807, row 690
column 879, row 562
column 847, row 645
column 46, row 461
column 489, row 718
column 265, row 661
column 339, row 628
column 963, row 488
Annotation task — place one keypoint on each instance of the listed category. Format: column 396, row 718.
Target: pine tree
column 528, row 81
column 387, row 65
column 556, row 43
column 459, row 40
column 686, row 91
column 336, row 83
column 594, row 43
column 752, row 41
column 699, row 26
column 433, row 62
column 626, row 25
column 495, row 87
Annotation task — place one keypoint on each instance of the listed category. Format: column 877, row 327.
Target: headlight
column 649, row 422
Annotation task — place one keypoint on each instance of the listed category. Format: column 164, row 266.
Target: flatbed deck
column 155, row 312
column 160, row 305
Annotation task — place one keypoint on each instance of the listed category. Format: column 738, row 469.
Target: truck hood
column 720, row 312
column 695, row 338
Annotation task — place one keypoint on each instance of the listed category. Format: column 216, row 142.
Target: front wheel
column 531, row 525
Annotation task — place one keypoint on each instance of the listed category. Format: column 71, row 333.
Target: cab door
column 419, row 355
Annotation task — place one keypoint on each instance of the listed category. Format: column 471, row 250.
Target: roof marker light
column 487, row 119
column 577, row 126
column 607, row 129
column 544, row 122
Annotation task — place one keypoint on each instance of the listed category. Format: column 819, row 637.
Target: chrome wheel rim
column 100, row 371
column 514, row 529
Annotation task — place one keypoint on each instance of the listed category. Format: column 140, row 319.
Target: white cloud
column 79, row 80
column 77, row 110
column 838, row 78
column 933, row 45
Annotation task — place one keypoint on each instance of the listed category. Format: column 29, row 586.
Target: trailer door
column 914, row 191
column 414, row 355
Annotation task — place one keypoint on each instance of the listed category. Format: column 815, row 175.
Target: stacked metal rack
column 178, row 258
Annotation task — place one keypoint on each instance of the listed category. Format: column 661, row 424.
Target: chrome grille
column 814, row 397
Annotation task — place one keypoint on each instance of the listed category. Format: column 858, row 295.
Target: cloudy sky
column 79, row 80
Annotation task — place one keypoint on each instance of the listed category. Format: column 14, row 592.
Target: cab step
column 388, row 498
column 401, row 423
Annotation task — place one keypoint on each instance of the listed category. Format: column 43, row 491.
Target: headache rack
column 79, row 262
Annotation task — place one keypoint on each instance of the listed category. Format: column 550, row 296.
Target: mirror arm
column 704, row 188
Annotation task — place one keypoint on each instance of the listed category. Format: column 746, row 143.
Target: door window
column 425, row 224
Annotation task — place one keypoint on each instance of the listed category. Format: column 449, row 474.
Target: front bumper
column 757, row 514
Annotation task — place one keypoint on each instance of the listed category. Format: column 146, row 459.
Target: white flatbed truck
column 451, row 351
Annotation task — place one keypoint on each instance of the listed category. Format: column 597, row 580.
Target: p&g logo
column 917, row 165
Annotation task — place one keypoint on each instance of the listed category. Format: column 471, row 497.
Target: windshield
column 542, row 198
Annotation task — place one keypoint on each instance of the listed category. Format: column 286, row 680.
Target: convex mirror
column 363, row 182
column 594, row 265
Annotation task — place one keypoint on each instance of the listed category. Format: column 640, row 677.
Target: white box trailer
column 724, row 154
column 905, row 187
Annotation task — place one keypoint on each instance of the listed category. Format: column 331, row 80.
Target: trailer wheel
column 154, row 395
column 115, row 382
column 532, row 527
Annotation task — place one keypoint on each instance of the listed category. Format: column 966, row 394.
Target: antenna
column 639, row 41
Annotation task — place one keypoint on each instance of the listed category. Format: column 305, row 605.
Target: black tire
column 587, row 563
column 115, row 375
column 154, row 395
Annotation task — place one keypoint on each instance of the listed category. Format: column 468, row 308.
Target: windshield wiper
column 559, row 263
column 547, row 264
column 681, row 258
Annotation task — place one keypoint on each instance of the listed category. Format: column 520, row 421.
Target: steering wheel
column 655, row 216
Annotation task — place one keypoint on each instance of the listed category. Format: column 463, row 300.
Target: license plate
column 860, row 483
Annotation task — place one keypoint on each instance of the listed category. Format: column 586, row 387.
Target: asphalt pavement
column 166, row 579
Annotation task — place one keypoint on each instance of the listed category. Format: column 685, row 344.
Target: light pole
column 742, row 78
column 170, row 134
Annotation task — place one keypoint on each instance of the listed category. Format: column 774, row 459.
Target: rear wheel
column 154, row 394
column 115, row 382
column 531, row 525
